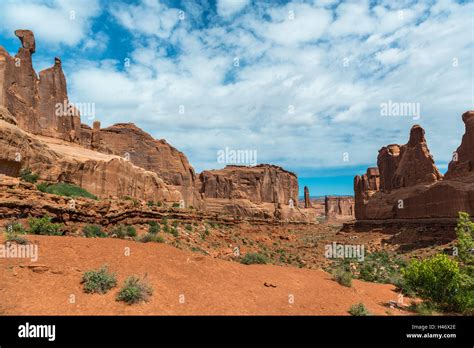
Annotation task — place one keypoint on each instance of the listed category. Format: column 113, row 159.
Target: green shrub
column 175, row 205
column 122, row 231
column 254, row 258
column 91, row 231
column 63, row 189
column 28, row 176
column 134, row 290
column 174, row 232
column 343, row 278
column 153, row 227
column 465, row 240
column 158, row 204
column 149, row 237
column 44, row 226
column 188, row 227
column 98, row 281
column 13, row 232
column 436, row 278
column 164, row 221
column 424, row 308
column 175, row 223
column 150, row 203
column 359, row 310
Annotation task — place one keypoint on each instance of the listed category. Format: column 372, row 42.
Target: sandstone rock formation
column 463, row 158
column 307, row 200
column 56, row 161
column 33, row 101
column 411, row 187
column 407, row 165
column 261, row 191
column 339, row 207
column 130, row 142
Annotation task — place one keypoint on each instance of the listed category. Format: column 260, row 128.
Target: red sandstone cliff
column 407, row 184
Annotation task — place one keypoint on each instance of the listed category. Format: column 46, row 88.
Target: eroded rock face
column 407, row 165
column 259, row 184
column 307, row 200
column 107, row 176
column 34, row 101
column 411, row 187
column 339, row 206
column 131, row 143
column 263, row 190
column 463, row 158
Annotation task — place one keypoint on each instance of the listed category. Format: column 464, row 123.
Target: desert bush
column 63, row 189
column 134, row 290
column 254, row 258
column 98, row 281
column 159, row 204
column 28, row 176
column 344, row 278
column 13, row 232
column 175, row 205
column 149, row 237
column 153, row 227
column 465, row 241
column 150, row 203
column 44, row 226
column 174, row 232
column 122, row 231
column 91, row 231
column 359, row 310
column 424, row 308
column 440, row 280
column 188, row 227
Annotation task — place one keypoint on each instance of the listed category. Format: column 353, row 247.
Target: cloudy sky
column 300, row 82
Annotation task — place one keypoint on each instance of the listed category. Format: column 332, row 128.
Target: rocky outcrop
column 339, row 207
column 260, row 191
column 407, row 165
column 140, row 148
column 411, row 187
column 463, row 158
column 106, row 176
column 307, row 200
column 36, row 103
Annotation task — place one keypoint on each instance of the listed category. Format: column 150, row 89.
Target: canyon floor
column 205, row 280
column 209, row 285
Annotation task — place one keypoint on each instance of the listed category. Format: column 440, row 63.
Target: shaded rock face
column 463, row 158
column 32, row 100
column 133, row 144
column 411, row 187
column 108, row 177
column 263, row 191
column 407, row 165
column 364, row 187
column 339, row 206
column 307, row 201
column 260, row 184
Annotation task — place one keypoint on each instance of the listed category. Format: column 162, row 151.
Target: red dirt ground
column 210, row 286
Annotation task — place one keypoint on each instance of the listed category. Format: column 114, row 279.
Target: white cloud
column 227, row 8
column 56, row 22
column 334, row 72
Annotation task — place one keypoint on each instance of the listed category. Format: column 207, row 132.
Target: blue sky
column 299, row 82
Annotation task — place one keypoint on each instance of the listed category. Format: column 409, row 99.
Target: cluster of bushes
column 254, row 258
column 122, row 231
column 28, row 176
column 100, row 281
column 63, row 189
column 447, row 282
column 13, row 233
column 154, row 204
